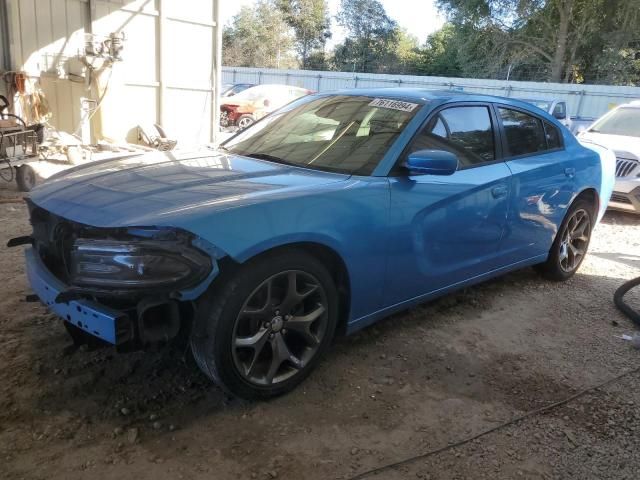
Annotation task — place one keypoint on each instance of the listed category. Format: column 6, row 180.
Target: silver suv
column 619, row 130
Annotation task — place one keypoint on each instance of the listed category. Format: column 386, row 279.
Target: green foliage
column 311, row 24
column 371, row 40
column 596, row 41
column 440, row 53
column 554, row 40
column 406, row 52
column 259, row 37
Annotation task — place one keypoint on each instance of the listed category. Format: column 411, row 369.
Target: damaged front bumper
column 115, row 284
column 110, row 325
column 129, row 321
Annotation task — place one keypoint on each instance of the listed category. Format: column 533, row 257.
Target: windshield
column 624, row 121
column 342, row 133
column 251, row 93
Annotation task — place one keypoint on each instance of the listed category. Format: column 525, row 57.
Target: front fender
column 350, row 218
column 251, row 251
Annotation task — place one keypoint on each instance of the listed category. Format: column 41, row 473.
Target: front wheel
column 245, row 121
column 571, row 243
column 262, row 332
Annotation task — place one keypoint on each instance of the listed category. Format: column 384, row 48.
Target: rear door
column 447, row 229
column 543, row 182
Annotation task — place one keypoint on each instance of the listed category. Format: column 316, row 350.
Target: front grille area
column 52, row 239
column 619, row 198
column 625, row 167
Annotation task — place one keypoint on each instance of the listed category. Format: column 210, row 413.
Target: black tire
column 214, row 340
column 26, row 178
column 553, row 268
column 245, row 121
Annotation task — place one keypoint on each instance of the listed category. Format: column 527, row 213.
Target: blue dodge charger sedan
column 326, row 216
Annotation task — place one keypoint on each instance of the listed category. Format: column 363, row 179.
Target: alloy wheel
column 280, row 327
column 244, row 123
column 575, row 240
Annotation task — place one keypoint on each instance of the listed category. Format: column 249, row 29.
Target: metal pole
column 216, row 77
column 162, row 59
column 580, row 102
column 5, row 41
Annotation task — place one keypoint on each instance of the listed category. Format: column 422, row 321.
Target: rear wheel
column 26, row 178
column 571, row 243
column 263, row 331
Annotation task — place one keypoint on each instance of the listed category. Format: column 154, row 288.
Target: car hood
column 623, row 146
column 166, row 188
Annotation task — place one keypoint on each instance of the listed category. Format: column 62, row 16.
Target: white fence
column 586, row 101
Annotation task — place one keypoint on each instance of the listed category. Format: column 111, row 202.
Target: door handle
column 570, row 172
column 499, row 192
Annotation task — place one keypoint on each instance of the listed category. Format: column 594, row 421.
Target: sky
column 419, row 17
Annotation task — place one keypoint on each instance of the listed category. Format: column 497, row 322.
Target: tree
column 310, row 22
column 258, row 37
column 405, row 53
column 439, row 56
column 612, row 53
column 561, row 38
column 371, row 36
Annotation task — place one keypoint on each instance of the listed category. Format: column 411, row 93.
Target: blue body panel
column 543, row 187
column 402, row 239
column 444, row 229
column 98, row 320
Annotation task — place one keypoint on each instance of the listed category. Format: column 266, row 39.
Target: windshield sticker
column 393, row 104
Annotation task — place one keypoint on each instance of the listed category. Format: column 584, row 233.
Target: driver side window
column 465, row 131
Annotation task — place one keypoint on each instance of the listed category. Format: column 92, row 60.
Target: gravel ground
column 418, row 381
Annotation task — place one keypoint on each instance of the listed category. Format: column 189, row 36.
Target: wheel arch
column 324, row 253
column 591, row 195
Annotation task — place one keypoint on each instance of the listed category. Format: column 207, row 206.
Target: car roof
column 426, row 95
column 536, row 99
column 632, row 104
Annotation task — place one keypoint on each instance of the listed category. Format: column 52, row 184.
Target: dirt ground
column 416, row 382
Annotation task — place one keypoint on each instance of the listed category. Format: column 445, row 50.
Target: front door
column 447, row 229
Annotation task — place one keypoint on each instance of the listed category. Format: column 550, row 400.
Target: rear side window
column 553, row 136
column 524, row 133
column 464, row 131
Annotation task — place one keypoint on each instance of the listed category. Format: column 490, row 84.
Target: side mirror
column 559, row 112
column 432, row 162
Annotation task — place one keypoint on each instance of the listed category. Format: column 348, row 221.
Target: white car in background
column 555, row 108
column 619, row 130
column 250, row 105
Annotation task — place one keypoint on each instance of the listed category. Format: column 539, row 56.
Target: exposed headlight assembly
column 136, row 264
